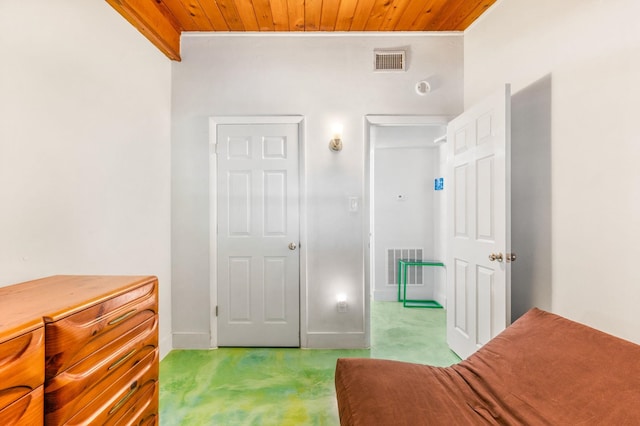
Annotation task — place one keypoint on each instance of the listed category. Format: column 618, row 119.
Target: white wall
column 326, row 78
column 589, row 50
column 531, row 198
column 84, row 146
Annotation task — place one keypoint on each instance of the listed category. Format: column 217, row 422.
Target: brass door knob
column 495, row 257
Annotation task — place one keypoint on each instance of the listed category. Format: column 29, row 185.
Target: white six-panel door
column 478, row 272
column 258, row 235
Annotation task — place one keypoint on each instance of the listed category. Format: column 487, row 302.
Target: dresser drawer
column 69, row 391
column 143, row 409
column 71, row 339
column 26, row 411
column 150, row 420
column 21, row 361
column 110, row 406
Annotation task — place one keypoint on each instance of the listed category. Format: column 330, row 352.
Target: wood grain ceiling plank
column 394, row 13
column 470, row 19
column 378, row 12
column 198, row 15
column 456, row 11
column 180, row 14
column 264, row 15
column 312, row 15
column 164, row 10
column 213, row 13
column 147, row 18
column 296, row 15
column 361, row 15
column 247, row 15
column 280, row 13
column 329, row 15
column 413, row 9
column 230, row 14
column 424, row 21
column 346, row 12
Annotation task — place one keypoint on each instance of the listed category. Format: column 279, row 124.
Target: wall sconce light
column 335, row 144
column 342, row 303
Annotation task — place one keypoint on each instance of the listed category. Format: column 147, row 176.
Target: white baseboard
column 441, row 298
column 321, row 340
column 195, row 340
column 386, row 295
column 166, row 345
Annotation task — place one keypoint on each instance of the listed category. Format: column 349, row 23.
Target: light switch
column 353, row 204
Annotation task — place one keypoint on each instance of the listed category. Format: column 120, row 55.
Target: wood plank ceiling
column 162, row 21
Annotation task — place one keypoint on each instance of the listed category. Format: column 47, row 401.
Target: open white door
column 478, row 268
column 258, row 258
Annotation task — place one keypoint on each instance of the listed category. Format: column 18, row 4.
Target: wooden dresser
column 79, row 350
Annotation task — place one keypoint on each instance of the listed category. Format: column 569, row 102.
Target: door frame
column 370, row 121
column 214, row 122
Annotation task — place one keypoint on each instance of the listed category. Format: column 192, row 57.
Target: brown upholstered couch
column 542, row 370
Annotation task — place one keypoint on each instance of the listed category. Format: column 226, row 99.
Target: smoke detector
column 423, row 87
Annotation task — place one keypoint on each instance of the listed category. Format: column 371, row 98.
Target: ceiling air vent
column 389, row 60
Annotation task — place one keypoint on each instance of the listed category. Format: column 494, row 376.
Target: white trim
column 191, row 340
column 331, row 340
column 322, row 34
column 483, row 16
column 166, row 345
column 213, row 209
column 404, row 120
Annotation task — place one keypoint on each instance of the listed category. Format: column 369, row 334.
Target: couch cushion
column 543, row 369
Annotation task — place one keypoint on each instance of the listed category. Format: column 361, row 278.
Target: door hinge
column 214, row 148
column 216, row 310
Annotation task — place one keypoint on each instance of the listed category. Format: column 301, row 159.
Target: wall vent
column 389, row 60
column 414, row 273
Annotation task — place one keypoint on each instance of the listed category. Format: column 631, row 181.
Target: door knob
column 493, row 257
column 292, row 246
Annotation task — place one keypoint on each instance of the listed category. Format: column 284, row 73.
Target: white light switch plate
column 354, row 204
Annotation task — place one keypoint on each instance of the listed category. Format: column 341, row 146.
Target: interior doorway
column 404, row 213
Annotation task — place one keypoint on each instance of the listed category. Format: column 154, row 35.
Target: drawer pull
column 122, row 359
column 132, row 390
column 122, row 317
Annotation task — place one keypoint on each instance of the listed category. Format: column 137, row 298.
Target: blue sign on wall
column 439, row 184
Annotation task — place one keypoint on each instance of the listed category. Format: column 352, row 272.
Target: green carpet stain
column 261, row 386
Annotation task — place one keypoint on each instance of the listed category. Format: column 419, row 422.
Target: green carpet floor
column 247, row 386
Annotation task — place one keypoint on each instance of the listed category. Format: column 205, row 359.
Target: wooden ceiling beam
column 158, row 27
